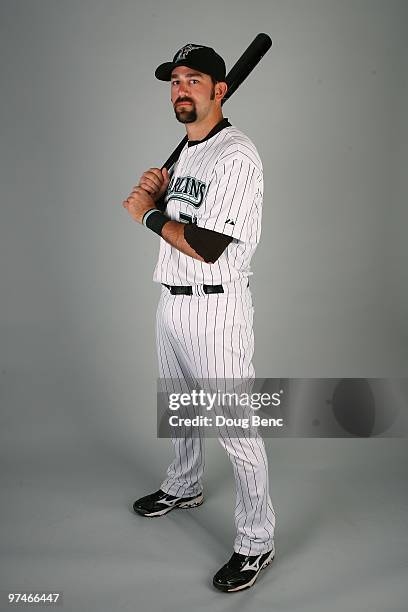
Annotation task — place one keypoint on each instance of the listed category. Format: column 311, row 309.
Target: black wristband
column 154, row 220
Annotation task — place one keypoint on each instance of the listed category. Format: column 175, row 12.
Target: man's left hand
column 138, row 203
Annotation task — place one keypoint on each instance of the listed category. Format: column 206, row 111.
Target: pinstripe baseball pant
column 211, row 337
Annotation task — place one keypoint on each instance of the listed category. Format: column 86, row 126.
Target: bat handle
column 175, row 155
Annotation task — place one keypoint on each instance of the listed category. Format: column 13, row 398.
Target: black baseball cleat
column 159, row 503
column 241, row 571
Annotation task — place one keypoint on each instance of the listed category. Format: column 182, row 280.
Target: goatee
column 183, row 114
column 186, row 116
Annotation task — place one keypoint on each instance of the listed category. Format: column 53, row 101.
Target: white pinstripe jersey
column 218, row 184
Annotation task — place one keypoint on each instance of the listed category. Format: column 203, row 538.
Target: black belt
column 187, row 290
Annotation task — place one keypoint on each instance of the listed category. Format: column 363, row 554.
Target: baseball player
column 207, row 212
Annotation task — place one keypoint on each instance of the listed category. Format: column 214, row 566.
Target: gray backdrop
column 82, row 117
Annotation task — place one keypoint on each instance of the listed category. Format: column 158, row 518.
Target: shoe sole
column 226, row 589
column 193, row 503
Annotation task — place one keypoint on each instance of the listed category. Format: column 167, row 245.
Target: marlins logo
column 186, row 188
column 184, row 51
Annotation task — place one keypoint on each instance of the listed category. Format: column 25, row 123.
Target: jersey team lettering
column 186, row 188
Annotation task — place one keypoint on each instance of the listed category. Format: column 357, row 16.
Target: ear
column 220, row 90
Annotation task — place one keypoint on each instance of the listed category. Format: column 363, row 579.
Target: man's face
column 192, row 94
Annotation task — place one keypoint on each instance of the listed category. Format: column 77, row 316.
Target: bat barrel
column 247, row 62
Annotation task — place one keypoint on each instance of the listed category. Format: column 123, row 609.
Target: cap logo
column 184, row 51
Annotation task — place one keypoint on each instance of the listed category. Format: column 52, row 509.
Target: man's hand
column 155, row 182
column 138, row 203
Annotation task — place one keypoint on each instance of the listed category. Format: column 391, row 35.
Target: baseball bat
column 237, row 75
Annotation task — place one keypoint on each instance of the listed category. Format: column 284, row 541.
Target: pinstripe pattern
column 229, row 165
column 211, row 337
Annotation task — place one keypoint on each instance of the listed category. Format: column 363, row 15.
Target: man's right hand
column 155, row 182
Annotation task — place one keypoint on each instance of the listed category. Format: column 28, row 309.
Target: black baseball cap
column 199, row 57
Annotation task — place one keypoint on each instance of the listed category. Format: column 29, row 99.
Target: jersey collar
column 217, row 128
